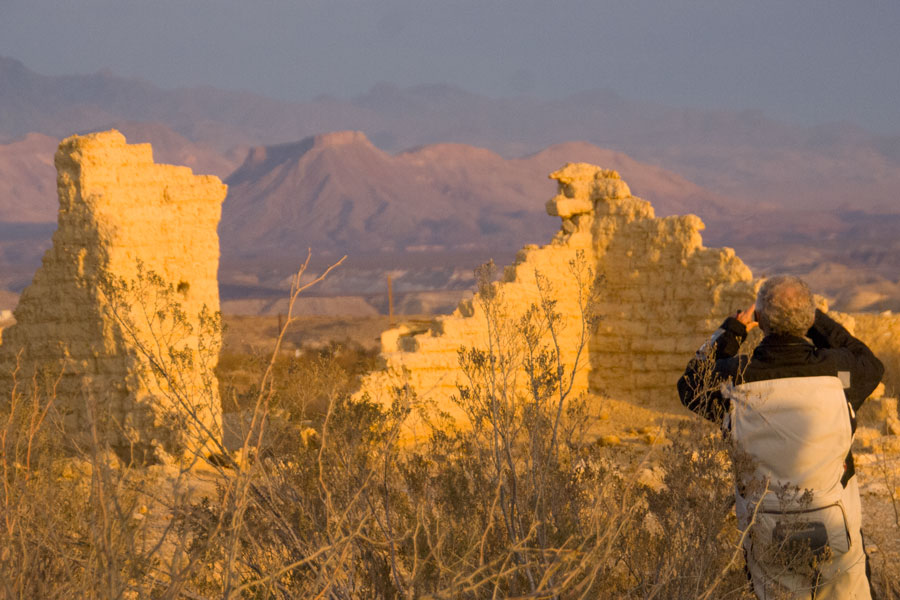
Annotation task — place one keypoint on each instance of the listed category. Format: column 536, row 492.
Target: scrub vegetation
column 323, row 496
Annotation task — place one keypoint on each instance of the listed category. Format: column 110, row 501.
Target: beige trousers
column 778, row 572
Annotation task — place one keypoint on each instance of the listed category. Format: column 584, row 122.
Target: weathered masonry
column 660, row 293
column 114, row 312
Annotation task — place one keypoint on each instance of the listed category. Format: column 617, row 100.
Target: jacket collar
column 783, row 347
column 785, row 339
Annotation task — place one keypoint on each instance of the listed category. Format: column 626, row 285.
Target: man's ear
column 761, row 320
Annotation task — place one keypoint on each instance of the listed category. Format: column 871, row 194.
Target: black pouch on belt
column 803, row 538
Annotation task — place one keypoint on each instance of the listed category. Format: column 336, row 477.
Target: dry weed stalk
column 521, row 504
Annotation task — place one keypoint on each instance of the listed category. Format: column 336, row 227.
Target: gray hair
column 785, row 305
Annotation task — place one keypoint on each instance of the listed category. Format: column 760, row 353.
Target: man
column 790, row 410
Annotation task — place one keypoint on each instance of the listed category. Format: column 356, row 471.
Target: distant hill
column 785, row 197
column 740, row 154
column 28, row 180
column 61, row 105
column 339, row 193
column 28, row 177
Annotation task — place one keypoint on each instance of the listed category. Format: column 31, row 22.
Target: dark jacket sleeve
column 853, row 356
column 715, row 362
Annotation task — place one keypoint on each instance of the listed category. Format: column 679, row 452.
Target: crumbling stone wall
column 660, row 294
column 114, row 308
column 881, row 332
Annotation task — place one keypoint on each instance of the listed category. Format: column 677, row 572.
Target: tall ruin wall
column 662, row 292
column 659, row 292
column 114, row 310
column 881, row 333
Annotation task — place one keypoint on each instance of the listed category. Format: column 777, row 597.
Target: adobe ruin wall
column 133, row 264
column 660, row 294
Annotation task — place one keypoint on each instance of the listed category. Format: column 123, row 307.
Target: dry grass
column 520, row 503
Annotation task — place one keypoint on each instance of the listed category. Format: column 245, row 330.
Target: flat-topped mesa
column 339, row 138
column 660, row 293
column 133, row 265
column 262, row 159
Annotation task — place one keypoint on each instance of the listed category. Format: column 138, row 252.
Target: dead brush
column 688, row 542
column 518, row 503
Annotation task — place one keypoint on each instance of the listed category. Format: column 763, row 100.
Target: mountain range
column 339, row 193
column 434, row 175
column 740, row 154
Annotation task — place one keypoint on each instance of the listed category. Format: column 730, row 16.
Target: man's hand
column 747, row 317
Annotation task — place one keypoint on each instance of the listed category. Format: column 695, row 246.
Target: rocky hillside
column 28, row 180
column 818, row 201
column 339, row 193
column 741, row 154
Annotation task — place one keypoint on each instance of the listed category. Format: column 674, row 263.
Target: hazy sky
column 802, row 61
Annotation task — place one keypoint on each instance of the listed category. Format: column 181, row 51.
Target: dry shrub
column 687, row 544
column 518, row 502
column 75, row 520
column 304, row 381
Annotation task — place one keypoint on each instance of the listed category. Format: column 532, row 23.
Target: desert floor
column 633, row 435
